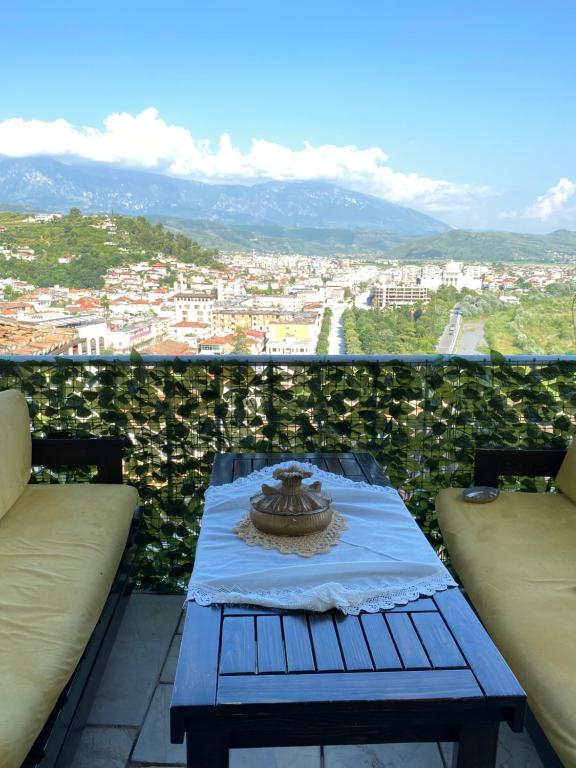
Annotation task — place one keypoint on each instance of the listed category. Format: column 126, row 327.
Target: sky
column 463, row 109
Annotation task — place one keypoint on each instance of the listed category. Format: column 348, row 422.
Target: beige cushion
column 566, row 476
column 15, row 447
column 517, row 560
column 60, row 546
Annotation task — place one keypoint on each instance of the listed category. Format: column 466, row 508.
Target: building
column 398, row 295
column 227, row 318
column 90, row 333
column 137, row 334
column 23, row 338
column 292, row 338
column 194, row 306
column 224, row 345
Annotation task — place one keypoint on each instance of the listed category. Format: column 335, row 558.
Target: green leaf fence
column 421, row 417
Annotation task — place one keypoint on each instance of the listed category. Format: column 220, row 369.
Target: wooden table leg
column 206, row 749
column 477, row 746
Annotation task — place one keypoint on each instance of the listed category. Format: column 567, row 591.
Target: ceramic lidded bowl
column 291, row 508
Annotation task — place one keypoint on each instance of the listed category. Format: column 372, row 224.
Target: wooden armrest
column 492, row 463
column 103, row 453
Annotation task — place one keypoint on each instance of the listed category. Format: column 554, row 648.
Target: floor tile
column 104, row 747
column 279, row 757
column 169, row 668
column 136, row 660
column 515, row 750
column 383, row 756
column 153, row 745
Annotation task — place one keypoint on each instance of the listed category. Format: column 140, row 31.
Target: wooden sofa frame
column 490, row 464
column 56, row 745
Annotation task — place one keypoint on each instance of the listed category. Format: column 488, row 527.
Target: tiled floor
column 129, row 722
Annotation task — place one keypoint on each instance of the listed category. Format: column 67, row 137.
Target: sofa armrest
column 492, row 463
column 104, row 453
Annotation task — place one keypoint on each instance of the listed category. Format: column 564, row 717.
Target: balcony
column 421, row 417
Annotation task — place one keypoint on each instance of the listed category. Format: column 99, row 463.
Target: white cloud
column 146, row 141
column 554, row 202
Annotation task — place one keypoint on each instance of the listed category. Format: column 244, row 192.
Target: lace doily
column 305, row 546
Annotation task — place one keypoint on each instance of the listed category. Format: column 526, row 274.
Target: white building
column 194, row 306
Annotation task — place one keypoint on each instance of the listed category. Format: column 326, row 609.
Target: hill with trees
column 463, row 245
column 96, row 243
column 542, row 324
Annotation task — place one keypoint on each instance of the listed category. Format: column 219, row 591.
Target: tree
column 240, row 344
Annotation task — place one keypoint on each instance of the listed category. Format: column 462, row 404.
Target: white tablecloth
column 382, row 560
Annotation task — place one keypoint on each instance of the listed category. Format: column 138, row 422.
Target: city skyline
column 465, row 113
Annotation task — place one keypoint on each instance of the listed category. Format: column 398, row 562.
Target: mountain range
column 463, row 245
column 42, row 183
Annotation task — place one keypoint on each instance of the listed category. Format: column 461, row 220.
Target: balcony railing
column 421, row 417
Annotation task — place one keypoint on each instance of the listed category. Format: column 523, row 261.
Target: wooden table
column 257, row 677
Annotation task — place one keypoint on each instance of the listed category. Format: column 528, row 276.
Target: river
column 471, row 338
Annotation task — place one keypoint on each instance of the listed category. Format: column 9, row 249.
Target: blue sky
column 463, row 109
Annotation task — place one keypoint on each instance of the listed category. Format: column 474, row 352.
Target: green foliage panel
column 421, row 421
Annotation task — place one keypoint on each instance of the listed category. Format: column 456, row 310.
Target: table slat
column 436, row 638
column 333, row 465
column 361, row 686
column 270, row 645
column 237, row 651
column 242, row 467
column 326, row 646
column 354, row 648
column 299, row 655
column 380, row 642
column 409, row 646
column 373, row 471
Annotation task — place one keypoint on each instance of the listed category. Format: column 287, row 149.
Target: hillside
column 127, row 240
column 45, row 184
column 308, row 241
column 463, row 245
column 542, row 324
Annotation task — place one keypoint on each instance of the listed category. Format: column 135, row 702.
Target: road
column 336, row 337
column 336, row 344
column 447, row 342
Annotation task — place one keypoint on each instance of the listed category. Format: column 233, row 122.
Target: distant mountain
column 463, row 245
column 42, row 183
column 308, row 241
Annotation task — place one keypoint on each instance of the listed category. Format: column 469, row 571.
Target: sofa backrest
column 566, row 475
column 15, row 447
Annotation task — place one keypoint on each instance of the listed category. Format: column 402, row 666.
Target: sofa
column 516, row 558
column 61, row 590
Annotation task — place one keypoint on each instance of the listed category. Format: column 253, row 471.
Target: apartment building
column 194, row 306
column 398, row 295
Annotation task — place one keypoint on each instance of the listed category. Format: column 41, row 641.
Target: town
column 256, row 304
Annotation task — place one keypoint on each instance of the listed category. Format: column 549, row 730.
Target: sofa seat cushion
column 516, row 558
column 60, row 546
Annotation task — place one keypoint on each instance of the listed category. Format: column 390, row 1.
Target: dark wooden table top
column 433, row 651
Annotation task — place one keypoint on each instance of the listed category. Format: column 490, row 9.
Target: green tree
column 240, row 344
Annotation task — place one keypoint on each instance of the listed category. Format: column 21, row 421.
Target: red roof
column 190, row 324
column 169, row 348
column 219, row 339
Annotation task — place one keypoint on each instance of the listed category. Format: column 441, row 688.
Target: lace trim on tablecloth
column 218, row 492
column 353, row 603
column 305, row 546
